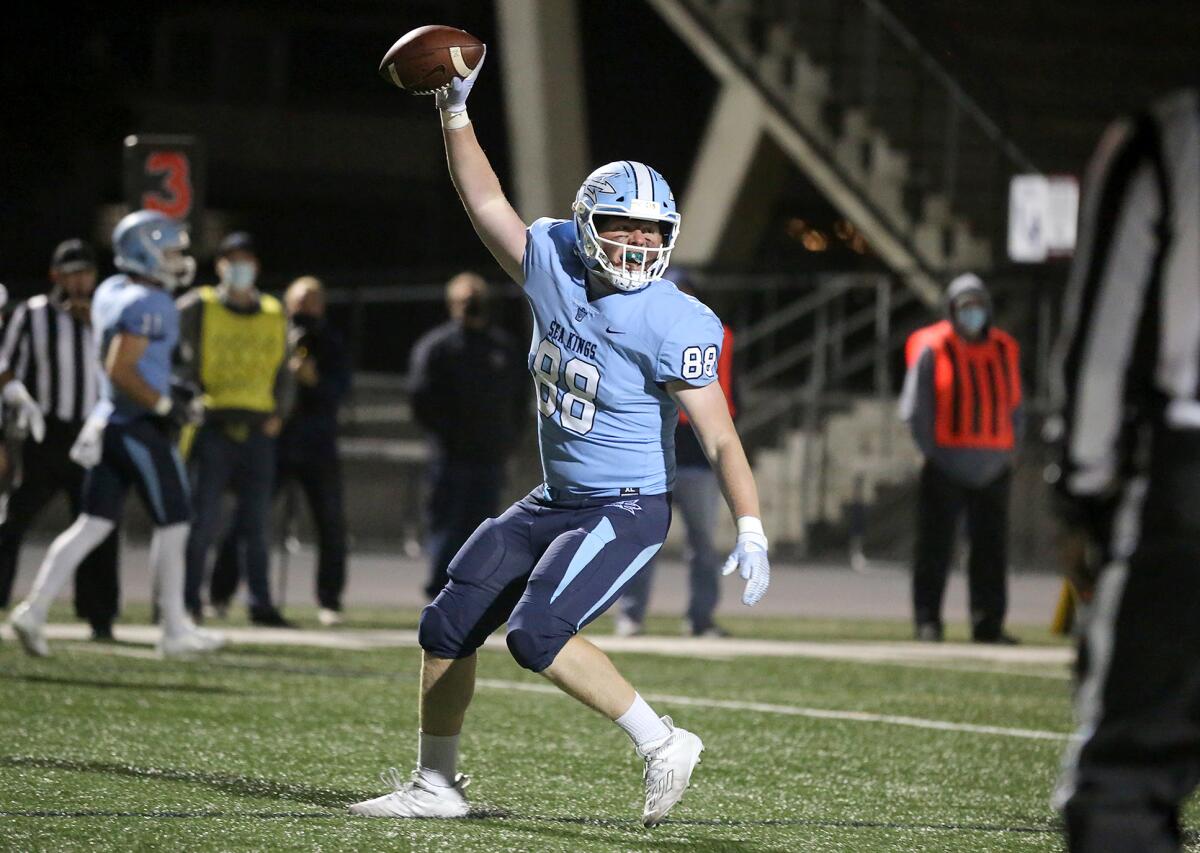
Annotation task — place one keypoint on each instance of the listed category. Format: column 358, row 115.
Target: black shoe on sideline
column 1001, row 639
column 102, row 632
column 929, row 632
column 270, row 618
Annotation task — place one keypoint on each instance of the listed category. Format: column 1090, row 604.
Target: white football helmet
column 631, row 189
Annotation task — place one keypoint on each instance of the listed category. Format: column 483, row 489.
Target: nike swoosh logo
column 612, row 331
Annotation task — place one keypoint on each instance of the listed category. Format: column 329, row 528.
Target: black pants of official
column 941, row 503
column 461, row 496
column 48, row 471
column 1138, row 699
column 317, row 470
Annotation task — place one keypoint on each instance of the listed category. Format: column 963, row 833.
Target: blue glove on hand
column 749, row 557
column 453, row 97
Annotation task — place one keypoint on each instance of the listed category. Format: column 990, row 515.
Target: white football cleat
column 194, row 641
column 28, row 629
column 416, row 798
column 669, row 766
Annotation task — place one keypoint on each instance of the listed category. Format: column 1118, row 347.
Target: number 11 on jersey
column 580, row 381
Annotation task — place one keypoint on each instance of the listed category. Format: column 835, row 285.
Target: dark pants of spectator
column 247, row 467
column 317, row 470
column 697, row 498
column 49, row 471
column 461, row 496
column 941, row 503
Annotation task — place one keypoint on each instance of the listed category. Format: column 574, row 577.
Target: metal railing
column 842, row 341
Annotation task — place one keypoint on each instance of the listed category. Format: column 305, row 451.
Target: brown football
column 428, row 58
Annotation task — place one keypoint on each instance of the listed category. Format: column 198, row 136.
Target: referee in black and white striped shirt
column 49, row 373
column 1128, row 482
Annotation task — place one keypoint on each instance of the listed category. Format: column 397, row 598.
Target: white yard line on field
column 796, row 711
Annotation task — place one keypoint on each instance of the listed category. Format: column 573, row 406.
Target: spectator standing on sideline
column 307, row 447
column 1128, row 482
column 467, row 381
column 962, row 400
column 49, row 373
column 697, row 498
column 233, row 347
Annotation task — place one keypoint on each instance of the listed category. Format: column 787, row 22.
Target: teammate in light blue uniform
column 128, row 439
column 615, row 351
column 125, row 305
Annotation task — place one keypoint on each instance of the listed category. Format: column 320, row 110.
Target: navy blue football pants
column 141, row 454
column 548, row 568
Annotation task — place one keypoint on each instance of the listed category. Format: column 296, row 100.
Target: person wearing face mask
column 962, row 401
column 470, row 435
column 50, row 380
column 307, row 447
column 233, row 348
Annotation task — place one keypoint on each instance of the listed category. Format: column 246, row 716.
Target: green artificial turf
column 261, row 748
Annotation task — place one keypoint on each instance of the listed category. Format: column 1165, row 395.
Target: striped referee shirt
column 53, row 355
column 1129, row 350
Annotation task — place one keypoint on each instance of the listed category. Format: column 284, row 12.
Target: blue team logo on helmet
column 634, row 190
column 152, row 245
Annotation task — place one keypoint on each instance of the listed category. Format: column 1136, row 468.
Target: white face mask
column 240, row 275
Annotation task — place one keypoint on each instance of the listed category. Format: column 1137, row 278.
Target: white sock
column 437, row 758
column 167, row 548
column 66, row 552
column 641, row 723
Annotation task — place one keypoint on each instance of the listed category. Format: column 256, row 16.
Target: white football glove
column 29, row 413
column 453, row 97
column 749, row 556
column 89, row 444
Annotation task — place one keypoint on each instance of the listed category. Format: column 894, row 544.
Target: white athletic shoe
column 669, row 766
column 28, row 629
column 626, row 627
column 329, row 618
column 194, row 641
column 416, row 798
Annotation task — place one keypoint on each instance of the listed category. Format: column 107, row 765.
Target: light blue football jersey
column 121, row 304
column 606, row 425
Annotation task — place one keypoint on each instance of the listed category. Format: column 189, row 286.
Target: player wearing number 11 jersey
column 616, row 352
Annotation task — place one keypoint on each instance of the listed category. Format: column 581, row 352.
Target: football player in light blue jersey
column 616, row 352
column 128, row 438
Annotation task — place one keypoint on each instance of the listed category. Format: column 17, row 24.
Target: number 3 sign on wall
column 174, row 196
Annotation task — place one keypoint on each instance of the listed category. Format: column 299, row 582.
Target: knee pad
column 436, row 634
column 525, row 649
column 534, row 644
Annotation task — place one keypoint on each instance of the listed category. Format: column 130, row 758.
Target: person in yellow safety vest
column 233, row 347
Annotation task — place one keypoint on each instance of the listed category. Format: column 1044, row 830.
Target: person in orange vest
column 962, row 400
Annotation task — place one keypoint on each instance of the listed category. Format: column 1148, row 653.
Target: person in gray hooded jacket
column 962, row 401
